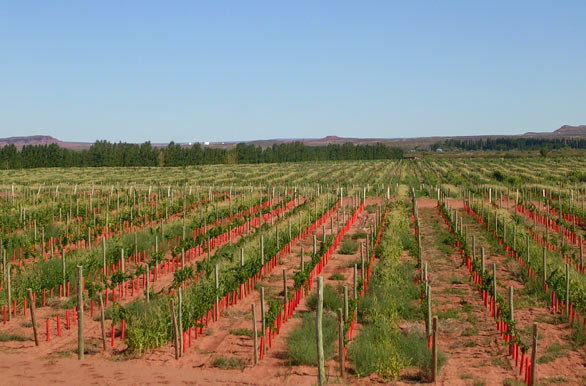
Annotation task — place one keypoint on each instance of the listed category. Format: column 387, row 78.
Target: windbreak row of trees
column 103, row 153
column 511, row 143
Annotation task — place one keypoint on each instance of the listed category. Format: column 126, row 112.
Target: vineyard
column 453, row 271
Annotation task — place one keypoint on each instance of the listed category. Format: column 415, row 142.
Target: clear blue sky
column 222, row 70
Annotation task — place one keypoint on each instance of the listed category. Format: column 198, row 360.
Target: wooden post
column 434, row 351
column 345, row 303
column 262, row 310
column 482, row 261
column 175, row 332
column 355, row 282
column 362, row 261
column 103, row 253
column 533, row 356
column 285, row 295
column 494, row 287
column 180, row 322
column 428, row 300
column 9, row 292
column 63, row 271
column 254, row 335
column 302, row 260
column 29, row 293
column 568, row 291
column 262, row 250
column 148, row 279
column 581, row 252
column 544, row 268
column 341, row 342
column 321, row 373
column 314, row 245
column 511, row 308
column 80, row 343
column 217, row 286
column 102, row 322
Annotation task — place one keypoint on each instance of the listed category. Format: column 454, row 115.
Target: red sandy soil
column 552, row 329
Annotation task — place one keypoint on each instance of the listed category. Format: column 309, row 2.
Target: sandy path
column 467, row 334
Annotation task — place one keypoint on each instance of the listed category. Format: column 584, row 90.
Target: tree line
column 104, row 153
column 529, row 143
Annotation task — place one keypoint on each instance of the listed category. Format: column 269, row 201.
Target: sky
column 134, row 71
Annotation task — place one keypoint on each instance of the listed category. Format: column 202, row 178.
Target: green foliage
column 337, row 276
column 242, row 332
column 229, row 363
column 348, row 247
column 381, row 347
column 301, row 343
column 103, row 153
column 332, row 299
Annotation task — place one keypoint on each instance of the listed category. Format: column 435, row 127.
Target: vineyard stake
column 321, row 377
column 9, row 292
column 148, row 279
column 355, row 282
column 262, row 309
column 102, row 322
column 80, row 345
column 568, row 291
column 180, row 322
column 175, row 332
column 29, row 293
column 544, row 268
column 285, row 297
column 494, row 288
column 341, row 341
column 428, row 319
column 254, row 335
column 434, row 350
column 314, row 245
column 302, row 260
column 511, row 309
column 362, row 260
column 63, row 269
column 103, row 253
column 581, row 251
column 217, row 282
column 262, row 250
column 533, row 356
column 345, row 303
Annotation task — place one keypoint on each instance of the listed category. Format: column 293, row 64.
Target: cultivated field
column 212, row 275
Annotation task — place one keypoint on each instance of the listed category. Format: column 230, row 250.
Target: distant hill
column 19, row 142
column 571, row 130
column 405, row 143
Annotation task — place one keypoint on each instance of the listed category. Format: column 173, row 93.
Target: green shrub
column 332, row 299
column 229, row 363
column 348, row 247
column 337, row 276
column 301, row 346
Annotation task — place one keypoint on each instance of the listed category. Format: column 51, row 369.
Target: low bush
column 301, row 344
column 348, row 247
